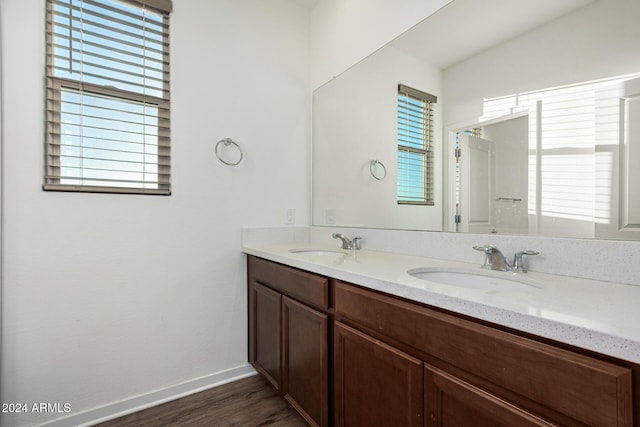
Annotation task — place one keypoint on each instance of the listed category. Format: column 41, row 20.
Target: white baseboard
column 144, row 401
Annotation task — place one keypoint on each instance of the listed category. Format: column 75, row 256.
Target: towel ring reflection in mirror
column 229, row 143
column 378, row 170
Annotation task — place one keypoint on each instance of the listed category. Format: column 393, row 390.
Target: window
column 107, row 102
column 415, row 146
column 573, row 135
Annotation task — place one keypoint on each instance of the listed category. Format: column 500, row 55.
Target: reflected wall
column 354, row 122
column 596, row 41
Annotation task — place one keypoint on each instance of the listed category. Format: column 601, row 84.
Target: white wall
column 99, row 303
column 598, row 41
column 345, row 32
column 354, row 122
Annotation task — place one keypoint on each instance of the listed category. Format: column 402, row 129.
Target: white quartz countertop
column 595, row 315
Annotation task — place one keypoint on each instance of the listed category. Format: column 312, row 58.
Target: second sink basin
column 472, row 280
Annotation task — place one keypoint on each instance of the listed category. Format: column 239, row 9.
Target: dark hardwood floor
column 247, row 402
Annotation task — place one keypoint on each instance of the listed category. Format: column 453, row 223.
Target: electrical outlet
column 290, row 216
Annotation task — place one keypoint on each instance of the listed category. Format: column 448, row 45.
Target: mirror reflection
column 558, row 167
column 535, row 129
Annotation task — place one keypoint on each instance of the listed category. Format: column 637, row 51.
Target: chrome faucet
column 495, row 260
column 346, row 243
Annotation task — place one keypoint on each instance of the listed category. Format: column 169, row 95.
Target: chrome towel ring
column 228, row 142
column 378, row 170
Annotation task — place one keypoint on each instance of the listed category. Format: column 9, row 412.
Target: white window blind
column 577, row 124
column 107, row 106
column 415, row 146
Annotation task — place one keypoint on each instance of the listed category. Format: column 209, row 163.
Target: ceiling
column 467, row 27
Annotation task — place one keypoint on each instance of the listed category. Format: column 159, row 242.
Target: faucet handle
column 488, row 255
column 528, row 252
column 356, row 243
column 484, row 248
column 518, row 265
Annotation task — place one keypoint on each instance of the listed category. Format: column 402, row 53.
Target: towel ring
column 229, row 142
column 375, row 171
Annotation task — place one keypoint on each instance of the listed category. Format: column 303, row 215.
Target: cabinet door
column 264, row 332
column 451, row 402
column 304, row 361
column 374, row 383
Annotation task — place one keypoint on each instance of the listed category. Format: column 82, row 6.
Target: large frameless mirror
column 535, row 129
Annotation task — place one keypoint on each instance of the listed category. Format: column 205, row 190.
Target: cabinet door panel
column 305, row 361
column 451, row 402
column 264, row 332
column 374, row 384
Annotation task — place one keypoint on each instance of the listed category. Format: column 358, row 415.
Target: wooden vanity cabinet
column 474, row 374
column 401, row 363
column 289, row 335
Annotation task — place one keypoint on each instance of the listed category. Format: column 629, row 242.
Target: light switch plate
column 290, row 216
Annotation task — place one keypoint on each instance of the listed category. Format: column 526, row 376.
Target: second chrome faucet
column 495, row 260
column 346, row 243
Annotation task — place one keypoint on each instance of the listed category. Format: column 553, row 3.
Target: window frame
column 55, row 86
column 425, row 153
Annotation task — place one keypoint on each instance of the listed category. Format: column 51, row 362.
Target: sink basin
column 329, row 255
column 472, row 279
column 317, row 252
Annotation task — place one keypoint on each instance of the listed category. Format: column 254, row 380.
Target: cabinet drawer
column 586, row 389
column 303, row 286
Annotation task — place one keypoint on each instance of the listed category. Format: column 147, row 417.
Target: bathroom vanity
column 342, row 351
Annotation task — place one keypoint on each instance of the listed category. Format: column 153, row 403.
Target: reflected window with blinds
column 415, row 150
column 107, row 103
column 573, row 143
